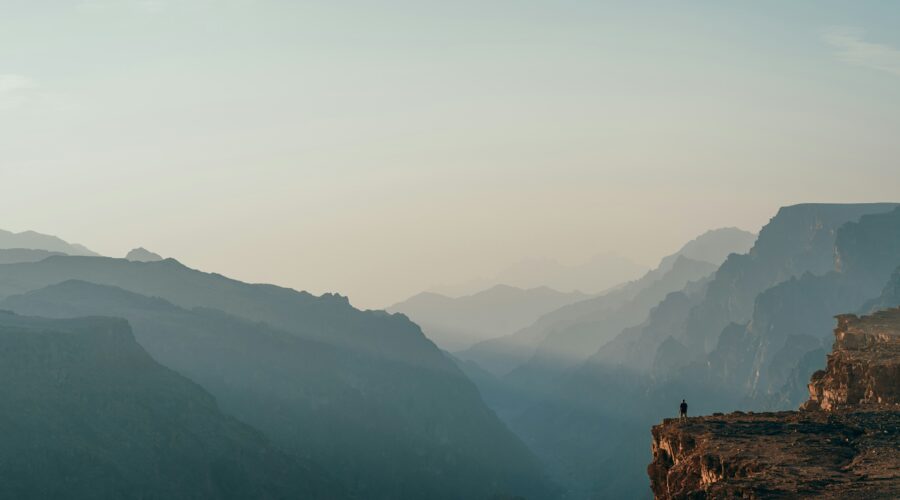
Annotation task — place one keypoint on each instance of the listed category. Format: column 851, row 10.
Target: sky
column 377, row 148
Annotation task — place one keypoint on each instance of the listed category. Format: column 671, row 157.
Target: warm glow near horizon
column 377, row 149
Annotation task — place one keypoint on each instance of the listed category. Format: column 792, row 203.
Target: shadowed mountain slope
column 760, row 313
column 86, row 413
column 362, row 393
column 578, row 320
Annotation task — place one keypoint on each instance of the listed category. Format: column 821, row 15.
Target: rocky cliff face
column 864, row 367
column 844, row 443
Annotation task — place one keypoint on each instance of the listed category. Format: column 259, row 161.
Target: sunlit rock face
column 864, row 367
column 844, row 443
column 816, row 454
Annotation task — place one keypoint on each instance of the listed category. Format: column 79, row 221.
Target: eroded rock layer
column 843, row 454
column 844, row 443
column 864, row 366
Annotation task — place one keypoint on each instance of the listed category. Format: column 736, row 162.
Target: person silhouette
column 683, row 409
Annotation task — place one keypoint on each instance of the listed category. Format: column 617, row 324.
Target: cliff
column 844, row 443
column 864, row 367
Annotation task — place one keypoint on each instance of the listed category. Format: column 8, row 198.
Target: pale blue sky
column 379, row 148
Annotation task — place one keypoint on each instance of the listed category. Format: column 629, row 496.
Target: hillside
column 86, row 413
column 316, row 375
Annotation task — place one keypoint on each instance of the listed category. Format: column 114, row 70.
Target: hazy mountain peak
column 598, row 273
column 37, row 241
column 716, row 244
column 141, row 254
column 456, row 323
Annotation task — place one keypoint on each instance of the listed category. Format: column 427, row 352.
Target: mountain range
column 570, row 334
column 456, row 323
column 37, row 241
column 741, row 338
column 87, row 413
column 364, row 395
column 599, row 273
column 142, row 377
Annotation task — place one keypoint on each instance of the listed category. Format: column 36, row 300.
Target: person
column 683, row 409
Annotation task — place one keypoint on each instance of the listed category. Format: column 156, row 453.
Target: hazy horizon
column 380, row 149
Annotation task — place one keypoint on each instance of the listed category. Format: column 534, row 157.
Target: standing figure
column 683, row 409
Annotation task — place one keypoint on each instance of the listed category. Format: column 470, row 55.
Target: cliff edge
column 843, row 443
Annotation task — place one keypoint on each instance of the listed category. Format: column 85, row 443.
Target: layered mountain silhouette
column 596, row 275
column 208, row 387
column 362, row 394
column 16, row 255
column 457, row 323
column 87, row 413
column 37, row 241
column 567, row 336
column 741, row 338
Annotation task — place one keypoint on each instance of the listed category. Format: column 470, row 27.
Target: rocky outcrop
column 844, row 443
column 844, row 454
column 864, row 367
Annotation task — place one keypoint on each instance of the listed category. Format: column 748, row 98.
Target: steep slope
column 86, row 413
column 635, row 378
column 716, row 245
column 789, row 318
column 799, row 239
column 457, row 323
column 570, row 346
column 363, row 393
column 890, row 295
column 849, row 450
column 502, row 355
column 38, row 241
column 863, row 368
column 641, row 349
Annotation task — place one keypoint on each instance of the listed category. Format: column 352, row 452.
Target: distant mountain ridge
column 37, row 241
column 362, row 393
column 502, row 355
column 457, row 323
column 764, row 316
column 17, row 255
column 141, row 254
column 596, row 275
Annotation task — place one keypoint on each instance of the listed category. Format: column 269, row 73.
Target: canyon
column 844, row 442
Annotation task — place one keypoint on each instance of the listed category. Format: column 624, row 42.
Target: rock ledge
column 844, row 443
